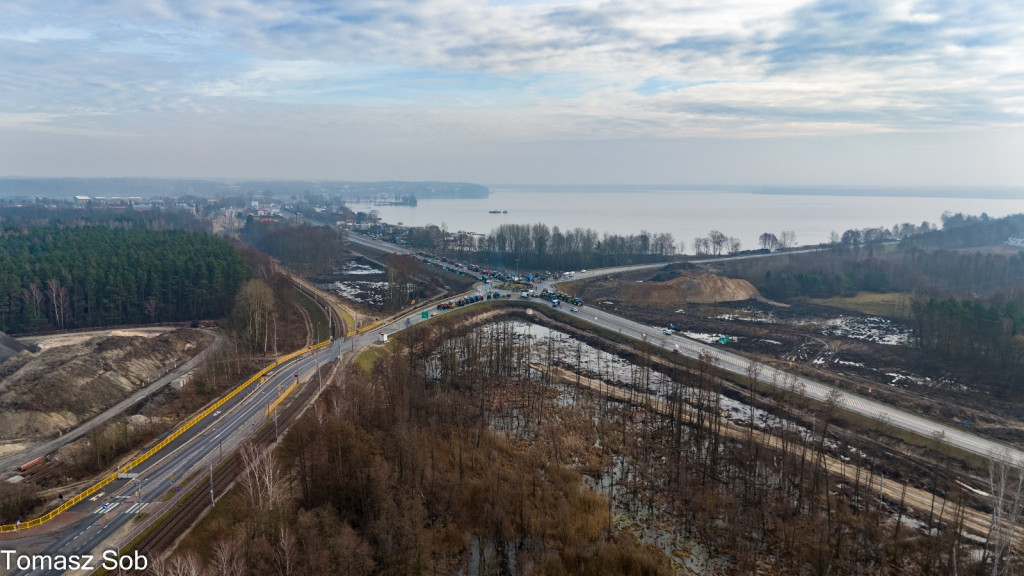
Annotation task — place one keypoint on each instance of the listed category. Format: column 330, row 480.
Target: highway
column 739, row 365
column 102, row 522
column 101, row 517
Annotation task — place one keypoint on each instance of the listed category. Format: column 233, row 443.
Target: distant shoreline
column 988, row 192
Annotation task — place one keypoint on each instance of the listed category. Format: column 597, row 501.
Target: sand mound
column 702, row 288
column 61, row 387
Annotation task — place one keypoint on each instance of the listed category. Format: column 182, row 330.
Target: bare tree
column 33, row 296
column 58, row 296
column 1006, row 484
column 187, row 564
column 261, row 481
column 768, row 241
column 254, row 315
column 228, row 559
column 787, row 239
column 287, row 551
column 150, row 306
column 718, row 241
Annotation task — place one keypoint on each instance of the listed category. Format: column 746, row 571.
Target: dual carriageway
column 101, row 518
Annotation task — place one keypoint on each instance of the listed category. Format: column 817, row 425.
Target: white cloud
column 525, row 71
column 46, row 34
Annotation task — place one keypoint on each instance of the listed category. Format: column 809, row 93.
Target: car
column 574, row 310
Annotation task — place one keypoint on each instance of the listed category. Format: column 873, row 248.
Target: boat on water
column 497, row 212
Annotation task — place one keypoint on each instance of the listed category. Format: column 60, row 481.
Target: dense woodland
column 967, row 306
column 456, row 455
column 75, row 277
column 21, row 217
column 987, row 341
column 539, row 247
column 303, row 248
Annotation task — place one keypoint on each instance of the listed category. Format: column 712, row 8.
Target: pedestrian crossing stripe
column 109, row 508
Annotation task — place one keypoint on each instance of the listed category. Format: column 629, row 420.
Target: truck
column 383, row 338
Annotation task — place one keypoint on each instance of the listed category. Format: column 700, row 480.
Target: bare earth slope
column 62, row 387
column 697, row 288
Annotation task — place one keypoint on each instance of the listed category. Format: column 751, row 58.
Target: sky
column 742, row 92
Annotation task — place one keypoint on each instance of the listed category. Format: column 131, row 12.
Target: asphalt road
column 194, row 452
column 737, row 364
column 104, row 515
column 15, row 459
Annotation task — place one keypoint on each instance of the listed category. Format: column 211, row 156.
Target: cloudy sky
column 646, row 92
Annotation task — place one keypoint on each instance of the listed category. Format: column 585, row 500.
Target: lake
column 686, row 213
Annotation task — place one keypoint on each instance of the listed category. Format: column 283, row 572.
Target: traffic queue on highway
column 464, row 268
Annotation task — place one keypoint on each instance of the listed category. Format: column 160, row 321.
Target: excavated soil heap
column 700, row 288
column 62, row 387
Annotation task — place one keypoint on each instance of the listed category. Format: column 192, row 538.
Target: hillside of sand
column 63, row 386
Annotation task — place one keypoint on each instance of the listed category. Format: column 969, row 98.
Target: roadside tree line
column 539, row 247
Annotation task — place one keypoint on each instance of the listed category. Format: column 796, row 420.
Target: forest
column 461, row 452
column 966, row 304
column 75, row 277
column 539, row 247
column 21, row 217
column 303, row 248
column 988, row 340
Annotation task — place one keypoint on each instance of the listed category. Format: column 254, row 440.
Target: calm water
column 689, row 213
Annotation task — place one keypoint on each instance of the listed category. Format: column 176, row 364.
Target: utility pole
column 318, row 373
column 211, row 485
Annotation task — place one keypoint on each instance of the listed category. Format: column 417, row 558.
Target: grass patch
column 317, row 316
column 365, row 361
column 231, row 510
column 347, row 318
column 890, row 304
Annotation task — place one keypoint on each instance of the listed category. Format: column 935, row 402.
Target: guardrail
column 163, row 443
column 283, row 395
column 365, row 328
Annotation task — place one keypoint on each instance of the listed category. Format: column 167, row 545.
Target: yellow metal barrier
column 370, row 327
column 149, row 453
column 281, row 397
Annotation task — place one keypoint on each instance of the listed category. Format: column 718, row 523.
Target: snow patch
column 975, row 490
column 870, row 328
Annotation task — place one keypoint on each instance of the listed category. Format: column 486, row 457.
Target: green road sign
column 723, row 340
column 424, row 314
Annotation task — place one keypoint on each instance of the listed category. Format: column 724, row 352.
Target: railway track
column 164, row 531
